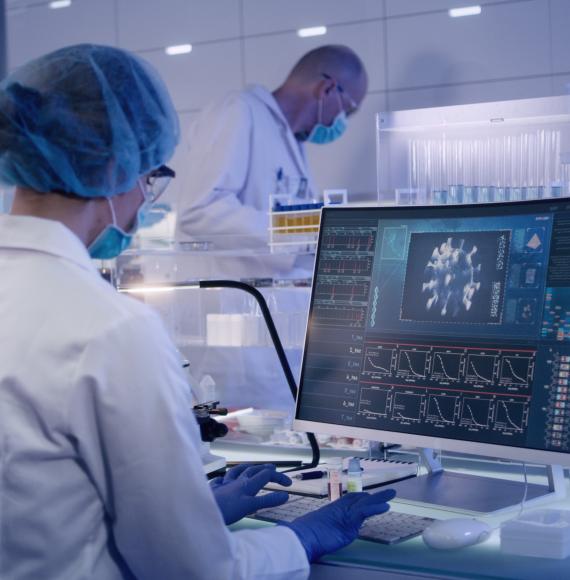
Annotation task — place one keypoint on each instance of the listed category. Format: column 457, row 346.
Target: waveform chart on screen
column 379, row 360
column 511, row 415
column 442, row 409
column 516, row 370
column 481, row 368
column 349, row 265
column 408, row 407
column 349, row 240
column 476, row 412
column 447, row 366
column 413, row 363
column 456, row 277
column 374, row 401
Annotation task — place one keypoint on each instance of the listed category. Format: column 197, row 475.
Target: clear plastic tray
column 543, row 533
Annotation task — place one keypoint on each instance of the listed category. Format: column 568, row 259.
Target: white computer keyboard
column 389, row 528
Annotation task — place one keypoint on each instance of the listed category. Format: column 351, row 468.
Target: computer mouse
column 455, row 533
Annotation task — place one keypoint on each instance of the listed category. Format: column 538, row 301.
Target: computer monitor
column 444, row 327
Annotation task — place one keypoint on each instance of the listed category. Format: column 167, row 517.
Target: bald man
column 251, row 144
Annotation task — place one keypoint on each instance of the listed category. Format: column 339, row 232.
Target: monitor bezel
column 513, row 453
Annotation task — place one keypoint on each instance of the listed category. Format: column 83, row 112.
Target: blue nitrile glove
column 336, row 525
column 235, row 493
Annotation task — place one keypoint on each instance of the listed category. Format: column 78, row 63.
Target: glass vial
column 334, row 478
column 354, row 476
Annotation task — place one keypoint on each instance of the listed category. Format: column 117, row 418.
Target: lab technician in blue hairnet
column 250, row 144
column 100, row 471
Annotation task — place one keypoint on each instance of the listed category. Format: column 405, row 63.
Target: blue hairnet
column 85, row 120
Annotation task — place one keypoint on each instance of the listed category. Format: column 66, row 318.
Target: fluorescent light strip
column 464, row 11
column 178, row 49
column 313, row 31
column 59, row 4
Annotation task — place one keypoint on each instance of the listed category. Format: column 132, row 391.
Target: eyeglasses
column 157, row 181
column 353, row 106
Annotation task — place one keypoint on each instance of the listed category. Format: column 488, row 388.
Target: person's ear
column 324, row 86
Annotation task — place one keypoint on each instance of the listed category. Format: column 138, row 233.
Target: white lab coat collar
column 43, row 235
column 267, row 97
column 297, row 149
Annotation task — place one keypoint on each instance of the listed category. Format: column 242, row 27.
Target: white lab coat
column 100, row 474
column 237, row 147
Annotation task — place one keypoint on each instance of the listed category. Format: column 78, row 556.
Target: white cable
column 525, row 490
column 523, row 500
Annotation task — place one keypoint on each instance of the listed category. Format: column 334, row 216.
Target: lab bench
column 413, row 559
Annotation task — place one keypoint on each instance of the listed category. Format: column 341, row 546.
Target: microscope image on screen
column 456, row 277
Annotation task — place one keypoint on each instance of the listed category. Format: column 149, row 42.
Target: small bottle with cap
column 354, row 476
column 334, row 478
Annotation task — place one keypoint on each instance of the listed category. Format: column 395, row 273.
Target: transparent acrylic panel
column 481, row 153
column 222, row 332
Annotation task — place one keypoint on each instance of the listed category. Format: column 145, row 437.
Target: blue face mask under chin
column 322, row 134
column 113, row 240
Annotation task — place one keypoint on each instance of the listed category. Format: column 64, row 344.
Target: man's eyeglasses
column 344, row 95
column 157, row 181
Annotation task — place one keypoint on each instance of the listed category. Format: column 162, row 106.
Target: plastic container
column 354, row 476
column 542, row 534
column 294, row 227
column 262, row 422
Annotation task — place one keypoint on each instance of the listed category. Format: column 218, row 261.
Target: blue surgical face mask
column 322, row 134
column 113, row 240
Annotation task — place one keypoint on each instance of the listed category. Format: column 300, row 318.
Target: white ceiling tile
column 148, row 24
column 35, row 31
column 286, row 48
column 207, row 72
column 506, row 40
column 263, row 16
column 404, row 7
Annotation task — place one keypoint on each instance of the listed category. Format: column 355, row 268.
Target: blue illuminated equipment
column 445, row 328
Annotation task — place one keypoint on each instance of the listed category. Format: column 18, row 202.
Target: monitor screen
column 443, row 327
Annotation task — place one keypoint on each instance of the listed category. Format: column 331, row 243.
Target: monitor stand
column 475, row 494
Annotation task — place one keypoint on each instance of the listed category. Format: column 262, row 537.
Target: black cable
column 316, row 453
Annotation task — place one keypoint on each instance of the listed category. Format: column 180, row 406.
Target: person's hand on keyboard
column 336, row 525
column 236, row 492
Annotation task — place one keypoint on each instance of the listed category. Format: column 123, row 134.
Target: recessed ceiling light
column 464, row 11
column 178, row 49
column 312, row 31
column 59, row 4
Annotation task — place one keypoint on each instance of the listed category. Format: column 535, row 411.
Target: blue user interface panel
column 450, row 322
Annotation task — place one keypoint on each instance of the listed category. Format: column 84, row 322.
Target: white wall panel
column 268, row 59
column 149, row 24
column 350, row 162
column 560, row 85
column 35, row 31
column 470, row 93
column 202, row 75
column 404, row 7
column 506, row 40
column 560, row 18
column 263, row 16
column 14, row 4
